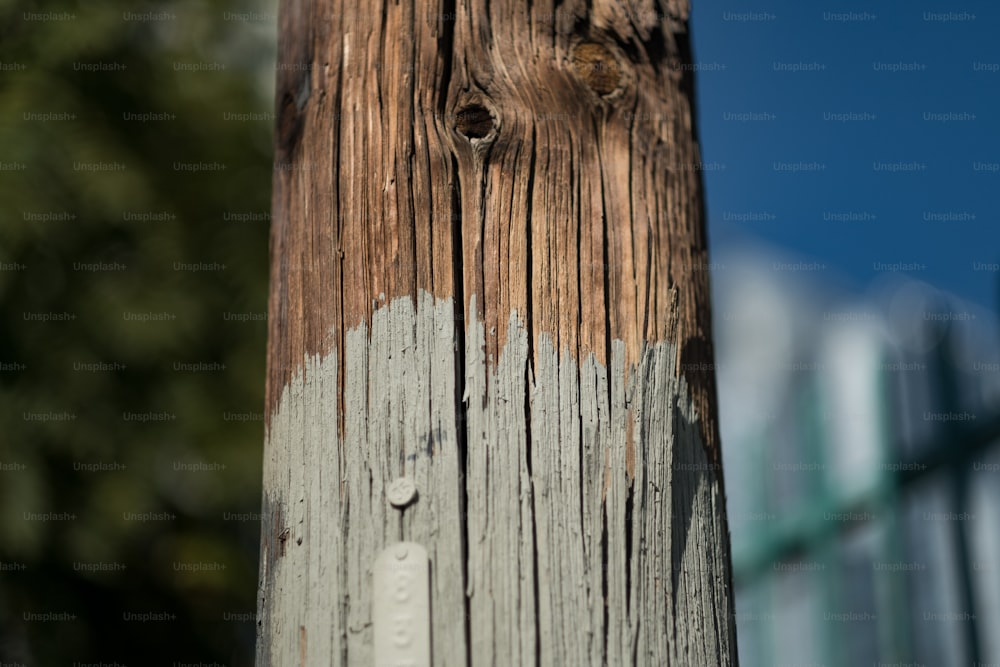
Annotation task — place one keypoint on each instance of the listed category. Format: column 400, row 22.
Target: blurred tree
column 134, row 188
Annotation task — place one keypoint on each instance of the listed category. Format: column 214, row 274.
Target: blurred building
column 862, row 473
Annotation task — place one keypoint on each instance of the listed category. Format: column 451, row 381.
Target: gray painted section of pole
column 576, row 563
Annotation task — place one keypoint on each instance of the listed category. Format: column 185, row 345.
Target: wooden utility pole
column 489, row 279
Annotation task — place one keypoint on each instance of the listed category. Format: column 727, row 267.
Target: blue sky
column 864, row 137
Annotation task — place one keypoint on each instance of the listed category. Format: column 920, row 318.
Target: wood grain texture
column 489, row 274
column 547, row 546
column 581, row 210
column 325, row 507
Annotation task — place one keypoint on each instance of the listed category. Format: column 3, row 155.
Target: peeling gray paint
column 546, row 550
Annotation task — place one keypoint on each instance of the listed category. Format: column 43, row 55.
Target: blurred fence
column 864, row 518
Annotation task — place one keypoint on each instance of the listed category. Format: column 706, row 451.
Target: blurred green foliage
column 132, row 288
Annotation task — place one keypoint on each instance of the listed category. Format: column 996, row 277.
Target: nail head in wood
column 402, row 492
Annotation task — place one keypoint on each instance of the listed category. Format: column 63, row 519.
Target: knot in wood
column 597, row 66
column 474, row 121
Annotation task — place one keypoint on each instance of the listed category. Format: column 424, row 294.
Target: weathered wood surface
column 489, row 275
